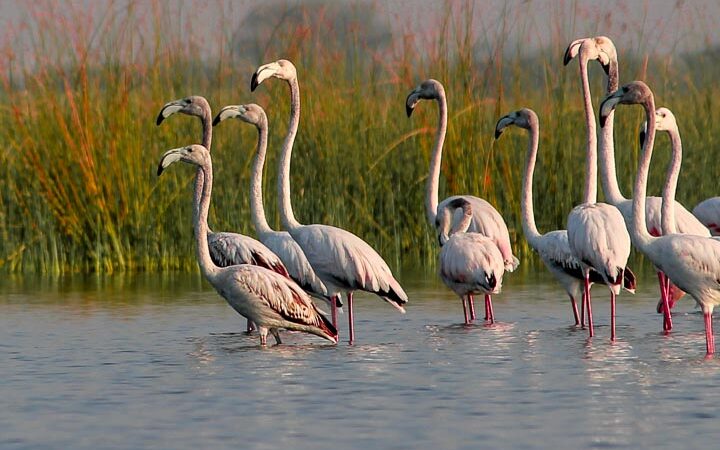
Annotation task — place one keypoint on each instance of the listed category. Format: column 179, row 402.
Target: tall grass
column 79, row 191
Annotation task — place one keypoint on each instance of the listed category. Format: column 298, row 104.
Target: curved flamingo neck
column 608, row 173
column 669, row 226
column 590, row 195
column 286, row 212
column 257, row 209
column 464, row 224
column 207, row 266
column 526, row 204
column 206, row 121
column 639, row 227
column 433, row 182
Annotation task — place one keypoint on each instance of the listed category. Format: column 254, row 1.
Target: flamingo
column 280, row 242
column 343, row 261
column 552, row 247
column 708, row 212
column 603, row 50
column 597, row 233
column 470, row 263
column 691, row 262
column 226, row 249
column 269, row 299
column 486, row 220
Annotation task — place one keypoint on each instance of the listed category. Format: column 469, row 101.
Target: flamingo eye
column 190, row 150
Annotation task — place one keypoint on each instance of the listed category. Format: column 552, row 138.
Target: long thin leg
column 709, row 337
column 263, row 336
column 664, row 296
column 575, row 310
column 351, row 320
column 471, row 303
column 612, row 316
column 489, row 306
column 588, row 300
column 333, row 311
column 465, row 311
column 487, row 312
column 276, row 335
column 583, row 303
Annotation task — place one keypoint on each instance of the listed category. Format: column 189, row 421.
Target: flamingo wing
column 230, row 249
column 297, row 264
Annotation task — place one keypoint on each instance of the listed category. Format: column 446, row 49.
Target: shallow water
column 160, row 362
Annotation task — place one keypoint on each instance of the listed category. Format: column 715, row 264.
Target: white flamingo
column 267, row 298
column 603, row 50
column 280, row 242
column 597, row 233
column 343, row 261
column 486, row 219
column 552, row 247
column 470, row 263
column 708, row 212
column 691, row 262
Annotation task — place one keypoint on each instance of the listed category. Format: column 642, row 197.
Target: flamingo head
column 664, row 121
column 599, row 48
column 250, row 113
column 633, row 93
column 427, row 90
column 195, row 105
column 192, row 154
column 282, row 69
column 523, row 118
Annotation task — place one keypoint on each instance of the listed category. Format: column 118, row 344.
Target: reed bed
column 79, row 191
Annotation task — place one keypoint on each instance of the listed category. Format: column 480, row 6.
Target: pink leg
column 351, row 320
column 664, row 293
column 334, row 312
column 471, row 304
column 583, row 303
column 709, row 337
column 575, row 310
column 588, row 300
column 489, row 307
column 612, row 316
column 465, row 311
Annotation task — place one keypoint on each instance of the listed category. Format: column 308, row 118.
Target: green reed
column 79, row 189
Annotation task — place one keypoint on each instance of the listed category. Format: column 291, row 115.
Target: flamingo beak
column 170, row 157
column 411, row 102
column 572, row 51
column 263, row 73
column 168, row 110
column 503, row 123
column 228, row 112
column 608, row 105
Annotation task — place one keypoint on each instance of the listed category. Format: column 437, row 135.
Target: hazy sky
column 650, row 25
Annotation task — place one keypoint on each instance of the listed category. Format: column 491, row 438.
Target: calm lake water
column 160, row 362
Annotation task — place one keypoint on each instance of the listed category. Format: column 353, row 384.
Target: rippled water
column 151, row 362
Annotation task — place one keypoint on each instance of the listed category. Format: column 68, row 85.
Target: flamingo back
column 471, row 263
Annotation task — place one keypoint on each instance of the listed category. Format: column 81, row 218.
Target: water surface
column 161, row 362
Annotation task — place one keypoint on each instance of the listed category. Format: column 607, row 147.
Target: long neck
column 528, row 215
column 286, row 212
column 257, row 209
column 463, row 224
column 668, row 204
column 608, row 174
column 639, row 229
column 433, row 182
column 591, row 145
column 207, row 266
column 206, row 121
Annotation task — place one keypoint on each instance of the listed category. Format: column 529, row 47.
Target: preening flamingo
column 603, row 50
column 226, row 249
column 552, row 247
column 343, row 261
column 597, row 233
column 691, row 262
column 470, row 263
column 486, row 220
column 280, row 242
column 270, row 300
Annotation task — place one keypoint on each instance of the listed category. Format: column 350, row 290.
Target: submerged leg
column 466, row 314
column 471, row 304
column 709, row 337
column 263, row 336
column 276, row 335
column 575, row 310
column 351, row 320
column 489, row 307
column 612, row 316
column 583, row 304
column 663, row 281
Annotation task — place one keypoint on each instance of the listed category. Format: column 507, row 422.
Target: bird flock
column 275, row 282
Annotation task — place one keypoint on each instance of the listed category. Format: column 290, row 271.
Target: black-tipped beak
column 409, row 110
column 216, row 120
column 498, row 133
column 567, row 58
column 606, row 68
column 254, row 82
column 159, row 119
column 440, row 241
column 642, row 137
column 160, row 169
